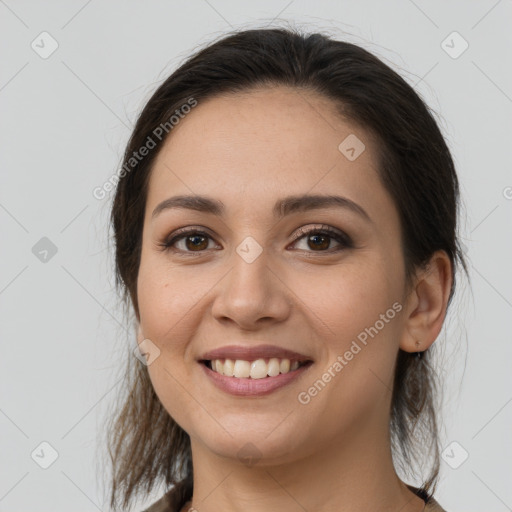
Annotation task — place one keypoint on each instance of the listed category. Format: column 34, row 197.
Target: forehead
column 251, row 147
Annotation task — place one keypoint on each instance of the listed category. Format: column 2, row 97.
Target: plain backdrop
column 73, row 79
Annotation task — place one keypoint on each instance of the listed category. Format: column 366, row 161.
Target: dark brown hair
column 146, row 446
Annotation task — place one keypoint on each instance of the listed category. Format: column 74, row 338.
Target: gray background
column 65, row 121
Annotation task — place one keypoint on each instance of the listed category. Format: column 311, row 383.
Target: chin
column 250, row 444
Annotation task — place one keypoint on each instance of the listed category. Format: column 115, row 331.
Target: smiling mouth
column 256, row 369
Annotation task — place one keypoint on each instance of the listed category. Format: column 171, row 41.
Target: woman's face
column 250, row 277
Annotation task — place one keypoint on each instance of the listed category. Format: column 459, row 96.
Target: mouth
column 253, row 371
column 253, row 362
column 262, row 368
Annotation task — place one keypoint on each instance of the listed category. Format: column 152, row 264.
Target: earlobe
column 428, row 299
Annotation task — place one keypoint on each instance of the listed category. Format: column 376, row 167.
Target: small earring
column 419, row 354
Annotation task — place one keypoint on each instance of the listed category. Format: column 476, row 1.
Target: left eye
column 321, row 239
column 317, row 239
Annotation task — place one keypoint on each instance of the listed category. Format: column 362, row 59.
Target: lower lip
column 252, row 387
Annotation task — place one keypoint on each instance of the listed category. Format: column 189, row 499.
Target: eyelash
column 343, row 239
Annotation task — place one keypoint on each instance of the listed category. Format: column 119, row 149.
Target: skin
column 249, row 150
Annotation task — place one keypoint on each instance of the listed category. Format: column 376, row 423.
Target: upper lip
column 252, row 353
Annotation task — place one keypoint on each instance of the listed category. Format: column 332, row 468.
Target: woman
column 286, row 232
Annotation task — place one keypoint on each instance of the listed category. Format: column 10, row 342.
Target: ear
column 427, row 303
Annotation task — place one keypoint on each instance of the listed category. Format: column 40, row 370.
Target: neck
column 353, row 476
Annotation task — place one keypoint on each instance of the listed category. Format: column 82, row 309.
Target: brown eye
column 319, row 240
column 196, row 242
column 187, row 242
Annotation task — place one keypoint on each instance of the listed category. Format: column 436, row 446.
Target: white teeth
column 219, row 367
column 229, row 367
column 284, row 366
column 242, row 368
column 273, row 367
column 258, row 369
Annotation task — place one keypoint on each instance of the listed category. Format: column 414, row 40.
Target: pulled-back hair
column 146, row 446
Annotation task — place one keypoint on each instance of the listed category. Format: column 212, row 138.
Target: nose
column 253, row 293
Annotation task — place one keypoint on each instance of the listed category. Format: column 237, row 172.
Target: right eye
column 192, row 240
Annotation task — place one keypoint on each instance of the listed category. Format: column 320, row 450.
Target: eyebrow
column 282, row 207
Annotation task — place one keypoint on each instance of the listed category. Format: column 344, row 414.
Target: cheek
column 358, row 316
column 164, row 307
column 167, row 296
column 343, row 301
column 361, row 308
column 357, row 313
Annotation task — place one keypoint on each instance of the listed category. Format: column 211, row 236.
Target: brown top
column 180, row 495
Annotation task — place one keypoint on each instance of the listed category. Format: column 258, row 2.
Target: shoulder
column 433, row 506
column 162, row 505
column 174, row 499
column 178, row 496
